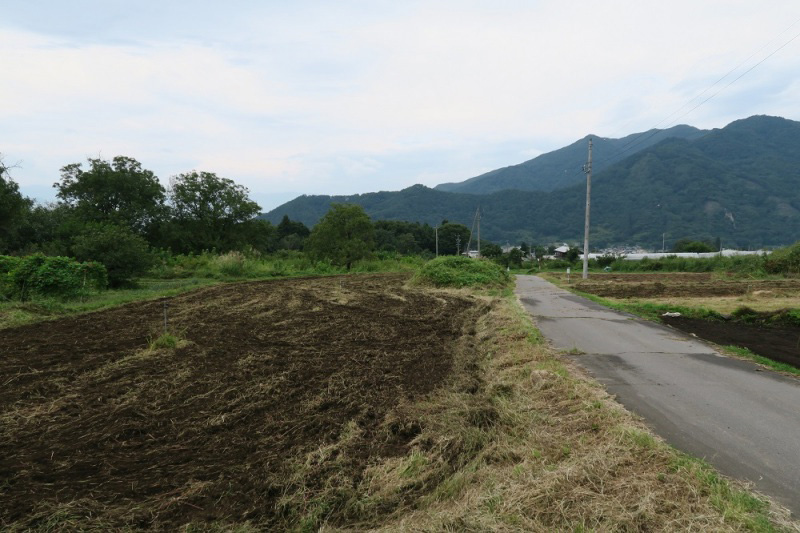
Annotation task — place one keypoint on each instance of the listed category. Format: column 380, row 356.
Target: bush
column 784, row 260
column 454, row 271
column 61, row 277
column 7, row 265
column 124, row 254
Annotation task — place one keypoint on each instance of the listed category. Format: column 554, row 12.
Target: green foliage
column 697, row 247
column 344, row 235
column 490, row 250
column 124, row 254
column 284, row 263
column 62, row 277
column 165, row 341
column 12, row 208
column 404, row 237
column 457, row 271
column 752, row 265
column 118, row 192
column 209, row 212
column 737, row 184
column 784, row 260
column 453, row 238
column 547, row 171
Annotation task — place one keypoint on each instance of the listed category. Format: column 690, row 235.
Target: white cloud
column 332, row 98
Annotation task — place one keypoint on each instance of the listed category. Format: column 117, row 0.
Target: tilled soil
column 96, row 428
column 676, row 286
column 779, row 343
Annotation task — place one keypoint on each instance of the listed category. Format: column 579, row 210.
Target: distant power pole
column 588, row 169
column 479, row 231
column 458, row 244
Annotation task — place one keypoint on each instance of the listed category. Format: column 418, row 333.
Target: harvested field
column 271, row 383
column 779, row 342
column 680, row 285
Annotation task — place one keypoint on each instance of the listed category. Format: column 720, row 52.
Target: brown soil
column 95, row 426
column 779, row 343
column 677, row 285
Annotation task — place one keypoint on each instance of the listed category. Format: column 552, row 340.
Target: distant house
column 561, row 251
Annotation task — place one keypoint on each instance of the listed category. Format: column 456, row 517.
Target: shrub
column 7, row 265
column 784, row 260
column 62, row 277
column 454, row 271
column 124, row 254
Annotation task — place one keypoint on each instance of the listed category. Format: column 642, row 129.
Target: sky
column 346, row 97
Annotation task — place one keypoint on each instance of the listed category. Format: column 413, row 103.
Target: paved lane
column 742, row 419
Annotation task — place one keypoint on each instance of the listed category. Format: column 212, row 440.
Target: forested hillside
column 740, row 184
column 562, row 168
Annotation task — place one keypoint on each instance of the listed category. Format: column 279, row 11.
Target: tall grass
column 747, row 265
column 287, row 263
column 454, row 271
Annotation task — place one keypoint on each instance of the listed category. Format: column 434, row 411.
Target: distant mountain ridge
column 740, row 183
column 561, row 168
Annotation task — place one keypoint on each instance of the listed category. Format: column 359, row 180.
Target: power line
column 650, row 134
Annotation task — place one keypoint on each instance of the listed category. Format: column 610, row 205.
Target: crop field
column 342, row 403
column 756, row 309
column 96, row 423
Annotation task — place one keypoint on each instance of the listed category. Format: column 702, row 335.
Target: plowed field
column 780, row 342
column 97, row 428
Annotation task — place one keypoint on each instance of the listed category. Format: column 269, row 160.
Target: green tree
column 515, row 258
column 344, row 235
column 572, row 254
column 117, row 192
column 209, row 212
column 490, row 249
column 453, row 238
column 291, row 234
column 123, row 253
column 13, row 207
column 687, row 245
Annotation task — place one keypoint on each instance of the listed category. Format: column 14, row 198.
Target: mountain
column 740, row 183
column 561, row 168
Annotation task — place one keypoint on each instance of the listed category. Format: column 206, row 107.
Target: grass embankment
column 539, row 448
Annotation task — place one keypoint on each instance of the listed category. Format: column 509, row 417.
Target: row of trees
column 117, row 212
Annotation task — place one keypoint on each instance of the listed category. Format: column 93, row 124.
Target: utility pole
column 588, row 169
column 458, row 244
column 663, row 242
column 479, row 231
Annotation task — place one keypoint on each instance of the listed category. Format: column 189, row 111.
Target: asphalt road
column 742, row 419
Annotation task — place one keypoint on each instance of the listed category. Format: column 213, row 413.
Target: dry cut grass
column 532, row 445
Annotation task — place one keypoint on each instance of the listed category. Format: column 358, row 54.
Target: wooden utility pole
column 479, row 231
column 588, row 170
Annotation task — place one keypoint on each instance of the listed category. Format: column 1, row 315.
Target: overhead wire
column 651, row 132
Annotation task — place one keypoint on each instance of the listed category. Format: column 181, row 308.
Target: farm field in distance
column 762, row 314
column 354, row 402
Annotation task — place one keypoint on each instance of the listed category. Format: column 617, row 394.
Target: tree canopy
column 344, row 235
column 208, row 210
column 12, row 207
column 117, row 192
